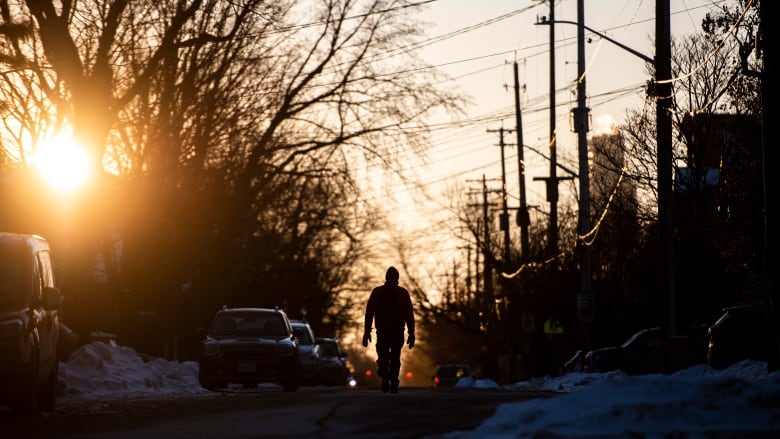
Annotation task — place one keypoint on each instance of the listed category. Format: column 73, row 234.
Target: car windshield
column 645, row 333
column 13, row 266
column 630, row 340
column 306, row 337
column 249, row 324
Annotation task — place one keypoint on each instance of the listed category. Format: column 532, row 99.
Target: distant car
column 308, row 352
column 29, row 324
column 248, row 346
column 741, row 333
column 448, row 375
column 641, row 353
column 333, row 363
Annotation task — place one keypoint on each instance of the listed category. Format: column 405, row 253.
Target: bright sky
column 690, row 403
column 481, row 61
column 476, row 43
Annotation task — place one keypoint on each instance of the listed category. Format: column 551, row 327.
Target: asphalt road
column 269, row 413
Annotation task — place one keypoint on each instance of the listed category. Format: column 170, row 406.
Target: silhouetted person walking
column 390, row 308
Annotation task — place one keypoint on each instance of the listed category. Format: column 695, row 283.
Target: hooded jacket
column 390, row 308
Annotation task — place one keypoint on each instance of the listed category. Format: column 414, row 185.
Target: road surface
column 311, row 412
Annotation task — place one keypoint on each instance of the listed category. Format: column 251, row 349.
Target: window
column 44, row 262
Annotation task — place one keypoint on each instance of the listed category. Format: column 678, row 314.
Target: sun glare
column 62, row 163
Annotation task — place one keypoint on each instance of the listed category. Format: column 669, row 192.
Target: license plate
column 246, row 367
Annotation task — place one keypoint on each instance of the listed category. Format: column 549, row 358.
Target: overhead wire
column 444, row 126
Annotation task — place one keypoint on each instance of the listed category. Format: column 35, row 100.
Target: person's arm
column 370, row 311
column 370, row 305
column 409, row 319
column 408, row 312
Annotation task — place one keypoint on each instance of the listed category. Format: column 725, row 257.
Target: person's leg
column 396, row 346
column 383, row 361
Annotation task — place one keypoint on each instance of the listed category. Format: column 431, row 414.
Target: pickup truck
column 29, row 324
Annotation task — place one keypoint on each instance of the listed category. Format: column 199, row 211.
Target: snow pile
column 105, row 370
column 695, row 402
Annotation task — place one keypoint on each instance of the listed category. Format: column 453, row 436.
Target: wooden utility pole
column 523, row 218
column 585, row 301
column 487, row 274
column 552, row 182
column 663, row 95
column 487, row 257
column 504, row 218
column 770, row 163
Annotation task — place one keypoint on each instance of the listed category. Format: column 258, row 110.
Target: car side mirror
column 52, row 299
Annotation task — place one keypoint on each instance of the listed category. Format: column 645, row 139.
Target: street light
column 545, row 21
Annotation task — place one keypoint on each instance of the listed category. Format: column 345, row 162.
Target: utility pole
column 553, row 180
column 504, row 218
column 477, row 277
column 467, row 298
column 585, row 311
column 487, row 275
column 552, row 183
column 663, row 95
column 523, row 218
column 770, row 162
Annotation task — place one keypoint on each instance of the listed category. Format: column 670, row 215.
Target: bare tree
column 713, row 72
column 216, row 114
column 738, row 28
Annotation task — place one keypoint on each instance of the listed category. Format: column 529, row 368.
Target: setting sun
column 62, row 163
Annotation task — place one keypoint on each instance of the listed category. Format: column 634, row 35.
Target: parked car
column 29, row 324
column 333, row 362
column 447, row 375
column 309, row 353
column 647, row 351
column 248, row 346
column 740, row 333
column 641, row 353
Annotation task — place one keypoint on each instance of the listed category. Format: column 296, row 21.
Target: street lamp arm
column 617, row 43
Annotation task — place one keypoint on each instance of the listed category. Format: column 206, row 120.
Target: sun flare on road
column 62, row 163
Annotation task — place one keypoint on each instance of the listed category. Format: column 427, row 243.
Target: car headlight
column 11, row 329
column 210, row 348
